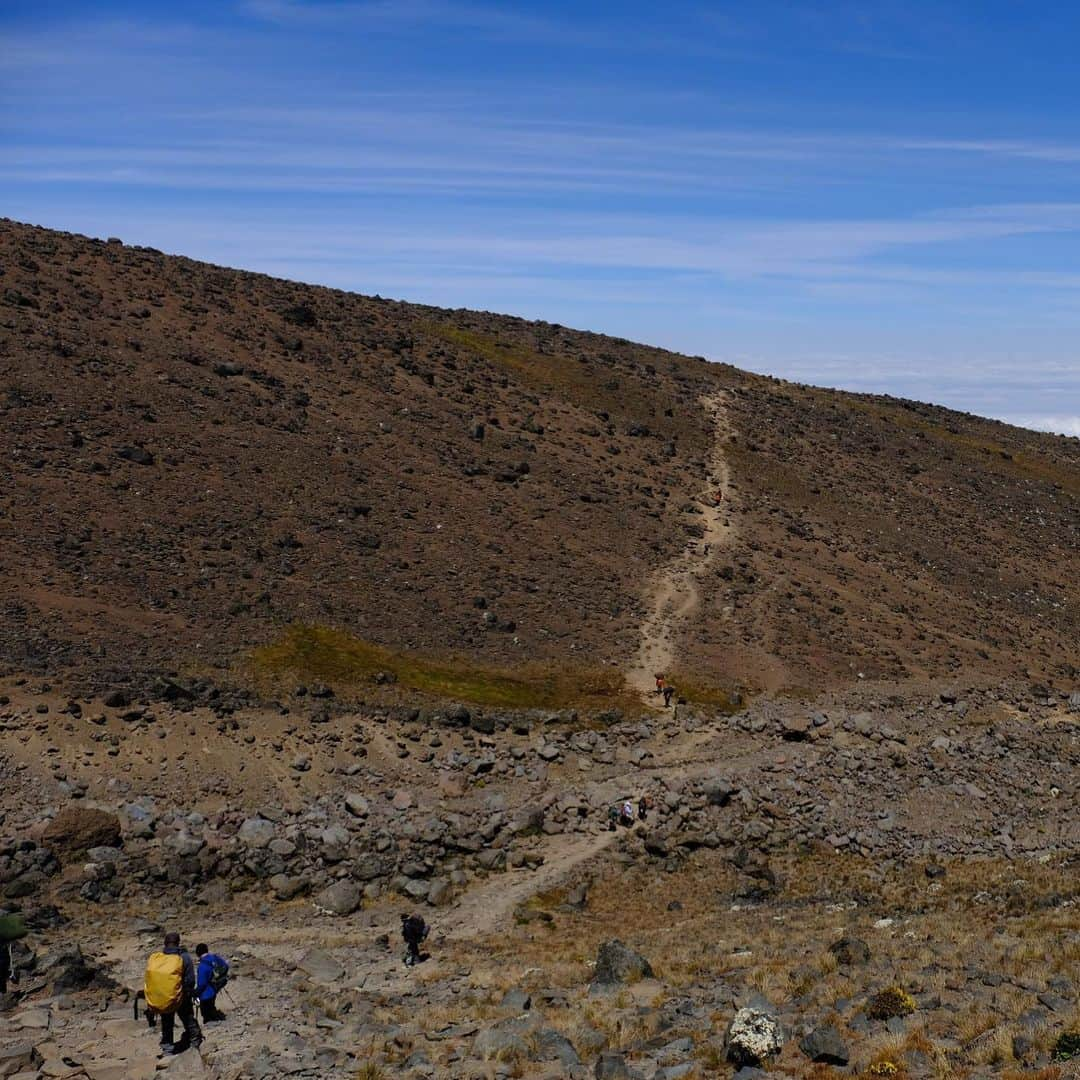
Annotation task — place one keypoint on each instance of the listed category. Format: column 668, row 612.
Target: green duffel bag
column 12, row 928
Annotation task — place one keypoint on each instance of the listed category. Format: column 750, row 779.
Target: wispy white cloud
column 397, row 13
column 494, row 21
column 1060, row 425
column 341, row 142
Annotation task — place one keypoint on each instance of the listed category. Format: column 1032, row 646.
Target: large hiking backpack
column 219, row 973
column 163, row 983
column 12, row 928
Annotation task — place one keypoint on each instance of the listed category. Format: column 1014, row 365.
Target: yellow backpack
column 163, row 983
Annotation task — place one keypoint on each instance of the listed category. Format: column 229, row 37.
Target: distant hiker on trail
column 660, row 684
column 169, row 986
column 668, row 691
column 210, row 980
column 627, row 815
column 414, row 931
column 642, row 808
column 612, row 818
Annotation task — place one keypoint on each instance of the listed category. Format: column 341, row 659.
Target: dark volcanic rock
column 617, row 963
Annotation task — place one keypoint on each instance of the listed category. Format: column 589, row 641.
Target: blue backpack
column 219, row 973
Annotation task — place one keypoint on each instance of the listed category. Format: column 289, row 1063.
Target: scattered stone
column 516, row 1000
column 850, row 951
column 321, row 966
column 287, row 888
column 617, row 963
column 612, row 1066
column 825, row 1046
column 754, row 1034
column 257, row 832
column 341, row 898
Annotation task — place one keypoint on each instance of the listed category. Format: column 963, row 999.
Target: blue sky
column 879, row 196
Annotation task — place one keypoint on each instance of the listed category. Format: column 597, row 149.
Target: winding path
column 673, row 593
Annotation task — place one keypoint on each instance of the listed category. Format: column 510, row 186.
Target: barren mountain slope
column 892, row 539
column 197, row 457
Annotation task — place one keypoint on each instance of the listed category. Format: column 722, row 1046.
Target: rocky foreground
column 795, row 863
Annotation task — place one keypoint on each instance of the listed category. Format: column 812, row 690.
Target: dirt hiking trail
column 673, row 593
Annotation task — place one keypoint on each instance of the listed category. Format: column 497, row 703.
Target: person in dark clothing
column 668, row 691
column 206, row 988
column 642, row 808
column 414, row 930
column 7, row 968
column 186, row 1009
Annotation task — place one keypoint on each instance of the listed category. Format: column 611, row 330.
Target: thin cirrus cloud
column 1064, row 425
column 789, row 208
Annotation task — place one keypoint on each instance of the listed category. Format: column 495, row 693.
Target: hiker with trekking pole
column 169, row 988
column 210, row 980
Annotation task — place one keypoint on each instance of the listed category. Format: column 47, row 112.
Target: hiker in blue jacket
column 212, row 976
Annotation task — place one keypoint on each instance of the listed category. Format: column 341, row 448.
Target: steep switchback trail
column 673, row 594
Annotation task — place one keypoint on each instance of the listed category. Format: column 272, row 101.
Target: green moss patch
column 325, row 654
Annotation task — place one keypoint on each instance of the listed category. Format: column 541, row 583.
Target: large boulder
column 617, row 963
column 754, row 1034
column 341, row 898
column 825, row 1046
column 74, row 831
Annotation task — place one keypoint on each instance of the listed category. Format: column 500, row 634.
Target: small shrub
column 1067, row 1046
column 893, row 1001
column 884, row 1068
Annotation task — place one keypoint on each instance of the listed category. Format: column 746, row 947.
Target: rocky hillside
column 200, row 458
column 860, row 883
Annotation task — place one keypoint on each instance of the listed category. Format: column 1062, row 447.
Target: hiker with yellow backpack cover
column 169, row 987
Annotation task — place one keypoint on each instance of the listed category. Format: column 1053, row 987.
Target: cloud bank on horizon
column 878, row 197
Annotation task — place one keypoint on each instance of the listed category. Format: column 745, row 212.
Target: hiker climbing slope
column 169, row 986
column 414, row 931
column 210, row 980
